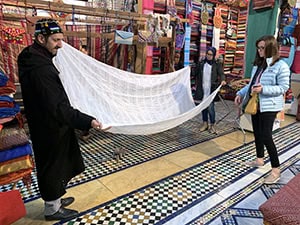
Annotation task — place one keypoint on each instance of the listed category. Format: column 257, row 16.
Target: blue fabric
column 209, row 111
column 8, row 112
column 290, row 59
column 5, row 98
column 288, row 30
column 16, row 152
column 3, row 79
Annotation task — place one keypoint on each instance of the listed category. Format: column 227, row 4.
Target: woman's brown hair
column 271, row 50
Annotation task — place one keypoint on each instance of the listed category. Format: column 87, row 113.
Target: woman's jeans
column 262, row 124
column 209, row 111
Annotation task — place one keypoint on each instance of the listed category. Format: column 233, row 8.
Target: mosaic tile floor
column 98, row 152
column 195, row 195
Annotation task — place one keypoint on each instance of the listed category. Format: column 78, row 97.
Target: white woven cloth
column 130, row 103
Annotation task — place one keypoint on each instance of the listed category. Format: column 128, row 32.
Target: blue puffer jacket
column 275, row 82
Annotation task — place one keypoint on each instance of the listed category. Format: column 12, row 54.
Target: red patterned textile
column 8, row 59
column 261, row 4
column 284, row 206
column 8, row 89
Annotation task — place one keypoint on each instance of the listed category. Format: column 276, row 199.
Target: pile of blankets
column 16, row 162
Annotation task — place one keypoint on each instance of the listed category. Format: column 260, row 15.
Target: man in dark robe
column 51, row 119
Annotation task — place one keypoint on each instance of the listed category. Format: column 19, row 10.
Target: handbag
column 252, row 105
column 123, row 37
column 145, row 36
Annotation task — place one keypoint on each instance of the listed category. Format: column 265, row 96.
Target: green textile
column 260, row 22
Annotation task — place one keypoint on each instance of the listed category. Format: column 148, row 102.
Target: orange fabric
column 15, row 176
column 13, row 165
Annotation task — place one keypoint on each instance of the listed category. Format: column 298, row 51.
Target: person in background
column 83, row 49
column 178, row 61
column 270, row 79
column 209, row 76
column 51, row 120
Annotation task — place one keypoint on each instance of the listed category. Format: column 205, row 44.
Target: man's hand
column 98, row 126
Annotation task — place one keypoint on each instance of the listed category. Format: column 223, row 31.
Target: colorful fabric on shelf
column 3, row 79
column 6, row 119
column 203, row 42
column 8, row 89
column 12, row 137
column 12, row 34
column 6, row 104
column 20, row 163
column 8, row 55
column 25, row 175
column 8, row 112
column 15, row 152
column 261, row 4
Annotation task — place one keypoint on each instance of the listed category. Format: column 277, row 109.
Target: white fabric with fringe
column 131, row 103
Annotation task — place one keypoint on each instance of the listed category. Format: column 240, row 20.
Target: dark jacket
column 217, row 75
column 51, row 121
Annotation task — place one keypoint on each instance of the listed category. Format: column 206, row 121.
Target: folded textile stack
column 16, row 161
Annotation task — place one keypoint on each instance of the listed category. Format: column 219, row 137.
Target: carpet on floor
column 207, row 193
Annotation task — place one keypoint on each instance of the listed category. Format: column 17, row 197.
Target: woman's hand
column 257, row 88
column 238, row 100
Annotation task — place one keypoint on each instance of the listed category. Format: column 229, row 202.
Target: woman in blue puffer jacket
column 270, row 79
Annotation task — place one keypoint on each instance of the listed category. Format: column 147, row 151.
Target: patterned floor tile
column 161, row 202
column 98, row 152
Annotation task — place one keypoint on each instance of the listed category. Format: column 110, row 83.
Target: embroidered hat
column 47, row 27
